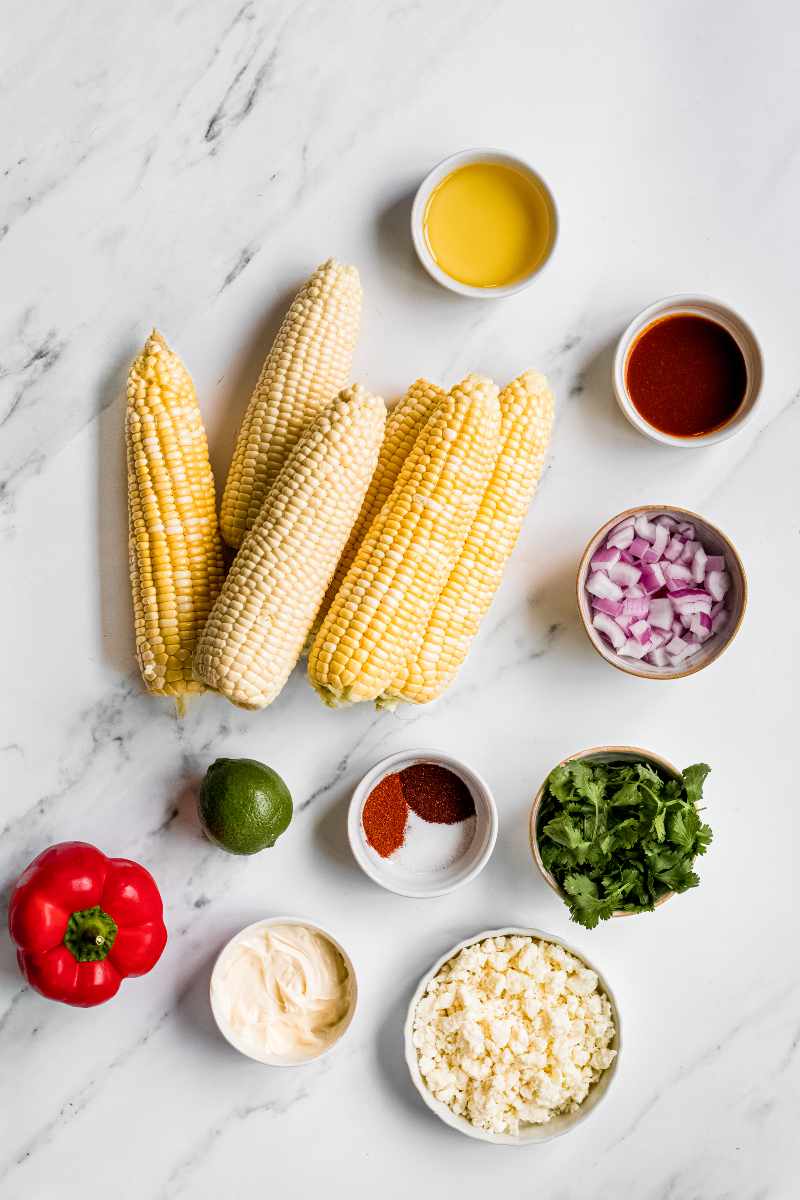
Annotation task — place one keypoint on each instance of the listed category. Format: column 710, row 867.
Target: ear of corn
column 526, row 407
column 258, row 626
column 403, row 425
column 308, row 364
column 382, row 608
column 175, row 551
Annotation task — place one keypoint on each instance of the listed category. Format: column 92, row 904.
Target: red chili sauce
column 686, row 375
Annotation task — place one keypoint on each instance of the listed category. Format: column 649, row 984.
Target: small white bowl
column 529, row 1134
column 424, row 884
column 271, row 1060
column 715, row 542
column 736, row 326
column 434, row 178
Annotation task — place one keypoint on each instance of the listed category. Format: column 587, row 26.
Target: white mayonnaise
column 282, row 991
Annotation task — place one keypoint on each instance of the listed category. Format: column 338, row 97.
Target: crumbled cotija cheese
column 513, row 1031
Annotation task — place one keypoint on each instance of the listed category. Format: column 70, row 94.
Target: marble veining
column 186, row 166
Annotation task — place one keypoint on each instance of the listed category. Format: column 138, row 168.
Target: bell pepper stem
column 90, row 934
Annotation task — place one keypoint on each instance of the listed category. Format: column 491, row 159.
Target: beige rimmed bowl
column 596, row 754
column 715, row 542
column 529, row 1134
column 273, row 1060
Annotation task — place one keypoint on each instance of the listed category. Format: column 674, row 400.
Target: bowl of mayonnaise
column 283, row 991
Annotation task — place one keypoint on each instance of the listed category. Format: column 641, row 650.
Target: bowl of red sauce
column 688, row 371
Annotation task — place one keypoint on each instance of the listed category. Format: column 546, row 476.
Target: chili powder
column 436, row 794
column 432, row 792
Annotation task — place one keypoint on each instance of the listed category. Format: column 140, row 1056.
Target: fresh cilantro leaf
column 564, row 831
column 627, row 794
column 693, row 779
column 586, row 907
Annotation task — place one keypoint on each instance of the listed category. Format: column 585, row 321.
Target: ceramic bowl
column 276, row 1060
column 714, row 542
column 597, row 754
column 434, row 178
column 424, row 884
column 736, row 326
column 529, row 1134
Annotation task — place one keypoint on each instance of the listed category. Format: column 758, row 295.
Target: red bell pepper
column 83, row 922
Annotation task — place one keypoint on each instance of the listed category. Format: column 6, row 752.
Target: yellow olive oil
column 488, row 225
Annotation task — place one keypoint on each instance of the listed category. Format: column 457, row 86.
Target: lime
column 244, row 806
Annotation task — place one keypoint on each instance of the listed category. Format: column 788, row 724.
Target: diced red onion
column 612, row 607
column 625, row 574
column 604, row 624
column 642, row 632
column 689, row 550
column 636, row 606
column 621, row 537
column 699, row 564
column 598, row 584
column 652, row 577
column 689, row 649
column 644, row 528
column 658, row 638
column 701, row 626
column 691, row 600
column 633, row 591
column 633, row 649
column 715, row 562
column 624, row 524
column 605, row 558
column 660, row 614
column 686, row 529
column 668, row 522
column 639, row 547
column 718, row 583
column 674, row 550
column 658, row 657
column 660, row 543
column 625, row 620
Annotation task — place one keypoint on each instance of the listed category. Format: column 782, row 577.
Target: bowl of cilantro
column 616, row 831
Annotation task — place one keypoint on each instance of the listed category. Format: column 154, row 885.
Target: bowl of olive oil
column 484, row 223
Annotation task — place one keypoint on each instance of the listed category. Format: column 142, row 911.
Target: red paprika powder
column 384, row 816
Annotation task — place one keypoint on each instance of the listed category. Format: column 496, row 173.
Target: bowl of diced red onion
column 661, row 592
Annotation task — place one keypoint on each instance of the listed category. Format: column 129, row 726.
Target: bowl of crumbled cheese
column 512, row 1037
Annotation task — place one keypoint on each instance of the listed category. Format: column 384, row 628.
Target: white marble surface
column 187, row 165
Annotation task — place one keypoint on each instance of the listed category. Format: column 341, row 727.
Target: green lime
column 244, row 806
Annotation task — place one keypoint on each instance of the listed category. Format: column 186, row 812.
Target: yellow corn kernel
column 260, row 622
column 308, row 364
column 382, row 608
column 174, row 548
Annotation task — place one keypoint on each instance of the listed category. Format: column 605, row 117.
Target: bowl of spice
column 422, row 823
column 688, row 371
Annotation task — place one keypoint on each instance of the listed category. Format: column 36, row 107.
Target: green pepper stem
column 90, row 934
